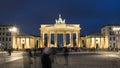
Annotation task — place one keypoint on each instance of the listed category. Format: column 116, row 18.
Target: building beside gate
column 7, row 36
column 96, row 41
column 27, row 41
column 112, row 35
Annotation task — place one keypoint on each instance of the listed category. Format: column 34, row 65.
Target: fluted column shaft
column 49, row 39
column 42, row 39
column 64, row 39
column 55, row 39
column 77, row 39
column 71, row 39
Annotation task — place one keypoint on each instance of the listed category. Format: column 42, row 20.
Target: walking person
column 53, row 56
column 35, row 54
column 9, row 51
column 30, row 56
column 45, row 58
column 66, row 53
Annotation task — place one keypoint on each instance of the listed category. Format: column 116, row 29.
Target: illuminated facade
column 11, row 38
column 7, row 35
column 60, row 28
column 25, row 41
column 112, row 37
column 96, row 41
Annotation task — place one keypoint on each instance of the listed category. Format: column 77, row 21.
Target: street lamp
column 14, row 31
column 117, row 32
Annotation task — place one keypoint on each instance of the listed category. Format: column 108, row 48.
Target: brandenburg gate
column 60, row 28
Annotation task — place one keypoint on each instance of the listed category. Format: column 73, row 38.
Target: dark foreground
column 76, row 60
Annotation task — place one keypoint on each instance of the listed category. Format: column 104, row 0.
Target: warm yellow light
column 116, row 28
column 51, row 45
column 13, row 29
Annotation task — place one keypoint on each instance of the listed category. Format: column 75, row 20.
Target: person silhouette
column 53, row 55
column 30, row 56
column 45, row 58
column 66, row 53
column 9, row 51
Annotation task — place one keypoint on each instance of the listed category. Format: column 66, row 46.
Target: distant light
column 52, row 46
column 68, row 45
column 13, row 29
column 116, row 28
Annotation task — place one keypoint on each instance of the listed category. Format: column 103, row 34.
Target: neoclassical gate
column 60, row 28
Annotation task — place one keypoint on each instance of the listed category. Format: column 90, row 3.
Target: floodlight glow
column 116, row 28
column 52, row 45
column 13, row 29
column 10, row 29
column 68, row 45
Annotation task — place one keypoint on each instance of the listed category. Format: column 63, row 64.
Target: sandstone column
column 71, row 39
column 49, row 39
column 64, row 39
column 55, row 39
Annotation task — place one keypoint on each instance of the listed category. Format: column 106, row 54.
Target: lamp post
column 117, row 34
column 13, row 31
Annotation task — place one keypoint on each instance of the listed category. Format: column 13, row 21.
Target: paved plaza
column 76, row 60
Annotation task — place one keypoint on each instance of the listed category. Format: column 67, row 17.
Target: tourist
column 53, row 55
column 35, row 54
column 9, row 51
column 30, row 56
column 45, row 58
column 66, row 53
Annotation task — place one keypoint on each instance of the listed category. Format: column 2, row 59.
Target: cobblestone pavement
column 75, row 61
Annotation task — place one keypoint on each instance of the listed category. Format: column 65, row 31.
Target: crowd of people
column 48, row 56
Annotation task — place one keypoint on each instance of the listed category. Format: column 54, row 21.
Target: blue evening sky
column 30, row 14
